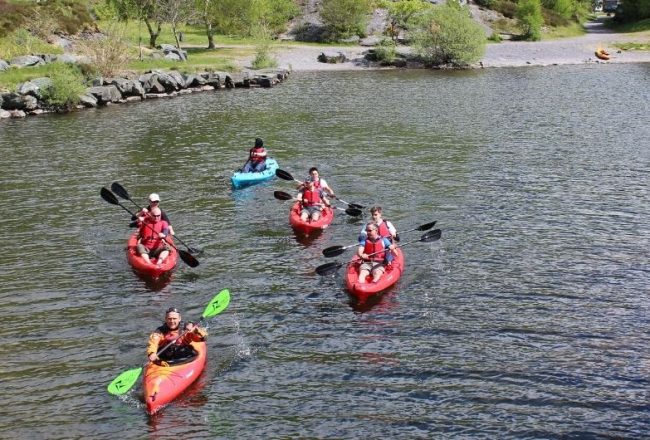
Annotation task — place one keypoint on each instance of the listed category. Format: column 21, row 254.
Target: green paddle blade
column 218, row 304
column 124, row 382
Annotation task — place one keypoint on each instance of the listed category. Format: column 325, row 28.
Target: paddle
column 282, row 174
column 185, row 256
column 281, row 195
column 330, row 268
column 335, row 251
column 125, row 381
column 122, row 192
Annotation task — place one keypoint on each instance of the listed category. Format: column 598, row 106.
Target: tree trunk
column 210, row 32
column 153, row 35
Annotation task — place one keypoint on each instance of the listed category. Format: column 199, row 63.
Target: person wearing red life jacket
column 376, row 252
column 312, row 200
column 151, row 243
column 256, row 158
column 386, row 228
column 169, row 331
column 314, row 176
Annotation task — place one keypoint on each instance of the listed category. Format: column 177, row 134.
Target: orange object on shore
column 602, row 54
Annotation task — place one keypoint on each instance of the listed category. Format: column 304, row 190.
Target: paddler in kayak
column 171, row 330
column 375, row 251
column 154, row 201
column 151, row 243
column 314, row 176
column 256, row 158
column 386, row 228
column 312, row 201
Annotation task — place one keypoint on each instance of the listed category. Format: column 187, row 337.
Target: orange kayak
column 151, row 269
column 326, row 218
column 361, row 291
column 602, row 54
column 164, row 384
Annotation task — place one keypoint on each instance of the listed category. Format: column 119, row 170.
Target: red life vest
column 257, row 154
column 149, row 233
column 311, row 198
column 375, row 246
column 316, row 182
column 383, row 230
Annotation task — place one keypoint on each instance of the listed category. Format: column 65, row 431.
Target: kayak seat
column 180, row 355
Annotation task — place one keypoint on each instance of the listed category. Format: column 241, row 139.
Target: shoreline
column 566, row 51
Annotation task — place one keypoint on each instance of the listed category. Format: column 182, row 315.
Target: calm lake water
column 528, row 319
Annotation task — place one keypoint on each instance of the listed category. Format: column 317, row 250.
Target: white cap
column 153, row 197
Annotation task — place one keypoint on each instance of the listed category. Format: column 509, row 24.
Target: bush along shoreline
column 34, row 97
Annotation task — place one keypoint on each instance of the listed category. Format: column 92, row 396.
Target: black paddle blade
column 328, row 268
column 188, row 258
column 333, row 251
column 431, row 236
column 425, row 227
column 283, row 174
column 281, row 195
column 354, row 212
column 120, row 190
column 109, row 196
column 356, row 206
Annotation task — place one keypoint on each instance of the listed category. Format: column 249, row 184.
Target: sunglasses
column 172, row 310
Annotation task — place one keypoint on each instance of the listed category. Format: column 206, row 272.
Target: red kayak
column 151, row 269
column 326, row 217
column 361, row 291
column 164, row 384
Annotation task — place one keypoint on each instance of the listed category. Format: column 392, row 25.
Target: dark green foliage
column 12, row 16
column 633, row 10
column 506, row 7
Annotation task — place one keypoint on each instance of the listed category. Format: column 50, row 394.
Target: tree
column 401, row 14
column 237, row 17
column 448, row 35
column 344, row 18
column 148, row 11
column 176, row 12
column 529, row 13
column 633, row 10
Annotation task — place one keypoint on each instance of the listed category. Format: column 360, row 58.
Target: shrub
column 386, row 51
column 530, row 16
column 67, row 85
column 448, row 35
column 109, row 54
column 263, row 58
column 345, row 18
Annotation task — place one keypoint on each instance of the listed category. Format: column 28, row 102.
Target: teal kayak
column 240, row 180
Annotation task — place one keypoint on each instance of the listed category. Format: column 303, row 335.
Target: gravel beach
column 578, row 50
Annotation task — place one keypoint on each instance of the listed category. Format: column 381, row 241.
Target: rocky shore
column 27, row 99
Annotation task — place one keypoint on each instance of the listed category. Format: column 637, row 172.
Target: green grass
column 10, row 78
column 633, row 46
